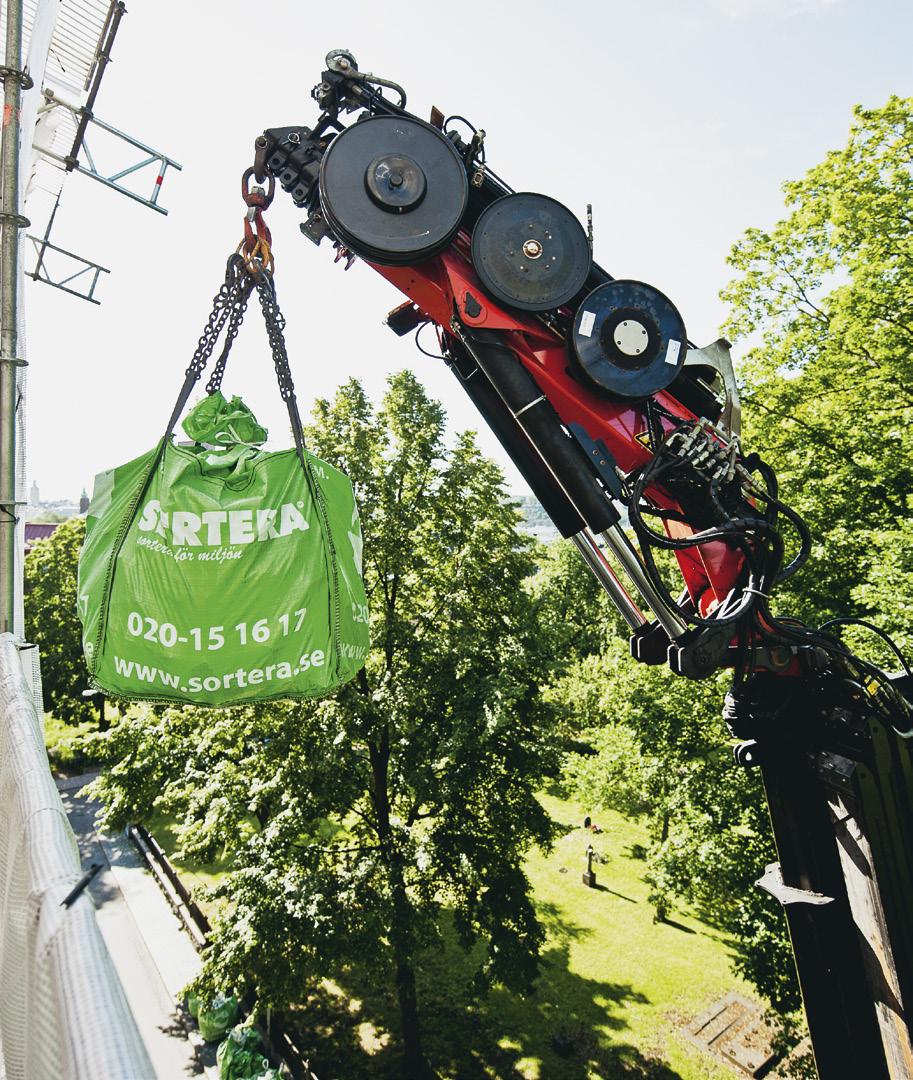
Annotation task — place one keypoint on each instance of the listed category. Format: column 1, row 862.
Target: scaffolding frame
column 11, row 222
column 156, row 158
column 41, row 273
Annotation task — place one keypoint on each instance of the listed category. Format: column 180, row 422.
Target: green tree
column 576, row 617
column 826, row 298
column 886, row 591
column 355, row 822
column 658, row 749
column 51, row 621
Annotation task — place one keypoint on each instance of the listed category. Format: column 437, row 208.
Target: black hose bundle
column 741, row 507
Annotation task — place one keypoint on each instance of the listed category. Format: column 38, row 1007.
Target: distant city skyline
column 61, row 505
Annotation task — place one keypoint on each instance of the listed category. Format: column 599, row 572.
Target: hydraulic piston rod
column 617, row 542
column 605, row 575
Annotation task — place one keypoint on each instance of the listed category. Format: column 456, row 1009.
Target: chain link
column 275, row 332
column 235, row 319
column 222, row 304
column 228, row 309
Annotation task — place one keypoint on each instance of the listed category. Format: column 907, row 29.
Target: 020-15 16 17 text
column 212, row 638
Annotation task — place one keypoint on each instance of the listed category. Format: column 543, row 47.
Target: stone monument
column 589, row 877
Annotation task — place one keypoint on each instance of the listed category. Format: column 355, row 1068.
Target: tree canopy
column 51, row 621
column 825, row 299
column 824, row 302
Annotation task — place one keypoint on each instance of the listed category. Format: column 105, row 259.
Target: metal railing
column 278, row 1038
column 63, row 1012
column 153, row 163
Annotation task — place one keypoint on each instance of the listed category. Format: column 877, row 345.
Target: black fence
column 183, row 905
column 278, row 1037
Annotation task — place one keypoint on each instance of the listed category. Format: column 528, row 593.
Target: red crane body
column 440, row 287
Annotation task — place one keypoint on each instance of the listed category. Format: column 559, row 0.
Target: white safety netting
column 63, row 1014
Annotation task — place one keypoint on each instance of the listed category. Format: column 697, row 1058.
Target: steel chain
column 275, row 332
column 236, row 317
column 229, row 307
column 222, row 305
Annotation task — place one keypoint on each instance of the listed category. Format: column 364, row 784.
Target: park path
column 151, row 952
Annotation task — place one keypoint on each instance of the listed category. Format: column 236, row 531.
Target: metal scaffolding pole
column 11, row 221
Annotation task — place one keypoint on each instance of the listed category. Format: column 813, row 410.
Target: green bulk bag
column 219, row 573
column 215, row 1019
column 240, row 1056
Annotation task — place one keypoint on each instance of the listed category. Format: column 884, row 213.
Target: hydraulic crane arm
column 620, row 425
column 590, row 383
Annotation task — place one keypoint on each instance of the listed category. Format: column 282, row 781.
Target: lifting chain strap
column 249, row 268
column 275, row 332
column 222, row 304
column 235, row 318
column 228, row 310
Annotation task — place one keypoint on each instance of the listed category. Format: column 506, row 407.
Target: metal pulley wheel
column 530, row 252
column 393, row 189
column 629, row 339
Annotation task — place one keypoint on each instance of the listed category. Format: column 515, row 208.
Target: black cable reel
column 393, row 189
column 629, row 339
column 530, row 252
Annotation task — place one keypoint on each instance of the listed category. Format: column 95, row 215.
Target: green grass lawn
column 610, row 968
column 615, row 987
column 61, row 740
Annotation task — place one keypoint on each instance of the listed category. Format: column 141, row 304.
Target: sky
column 678, row 121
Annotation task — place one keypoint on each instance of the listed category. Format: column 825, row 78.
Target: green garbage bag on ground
column 217, row 1018
column 240, row 1056
column 220, row 573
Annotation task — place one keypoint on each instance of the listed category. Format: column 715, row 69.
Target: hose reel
column 629, row 339
column 393, row 189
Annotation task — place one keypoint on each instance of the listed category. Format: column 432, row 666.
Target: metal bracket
column 18, row 220
column 22, row 77
column 315, row 228
column 160, row 161
column 699, row 652
column 600, row 458
column 8, row 508
column 41, row 273
column 772, row 882
column 717, row 356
